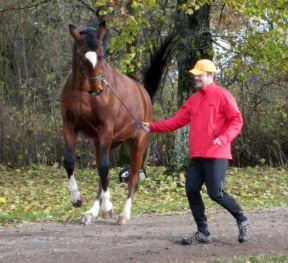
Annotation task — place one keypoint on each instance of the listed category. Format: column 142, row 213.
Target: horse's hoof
column 87, row 219
column 107, row 214
column 78, row 203
column 121, row 220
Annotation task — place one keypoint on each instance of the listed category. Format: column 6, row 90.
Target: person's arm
column 234, row 118
column 180, row 119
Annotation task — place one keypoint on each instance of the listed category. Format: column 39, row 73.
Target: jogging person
column 215, row 121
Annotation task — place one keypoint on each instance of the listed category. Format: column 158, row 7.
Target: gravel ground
column 146, row 238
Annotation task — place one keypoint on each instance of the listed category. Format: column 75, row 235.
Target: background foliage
column 250, row 48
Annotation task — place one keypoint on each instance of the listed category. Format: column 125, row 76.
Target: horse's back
column 134, row 96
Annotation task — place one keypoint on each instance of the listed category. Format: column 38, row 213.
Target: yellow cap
column 203, row 65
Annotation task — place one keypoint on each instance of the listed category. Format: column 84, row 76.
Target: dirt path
column 146, row 238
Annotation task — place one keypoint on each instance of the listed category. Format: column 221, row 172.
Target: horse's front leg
column 137, row 150
column 102, row 201
column 69, row 163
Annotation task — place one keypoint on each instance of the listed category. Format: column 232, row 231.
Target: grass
column 255, row 259
column 40, row 192
column 249, row 259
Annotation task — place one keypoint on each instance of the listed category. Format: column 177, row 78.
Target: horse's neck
column 109, row 73
column 76, row 74
column 106, row 71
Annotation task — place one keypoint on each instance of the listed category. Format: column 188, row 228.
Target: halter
column 100, row 78
column 91, row 79
column 95, row 78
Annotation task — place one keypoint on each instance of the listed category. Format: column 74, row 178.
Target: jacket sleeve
column 233, row 117
column 180, row 119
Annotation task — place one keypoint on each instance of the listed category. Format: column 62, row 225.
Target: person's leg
column 215, row 173
column 194, row 182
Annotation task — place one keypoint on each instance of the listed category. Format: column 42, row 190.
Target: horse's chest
column 81, row 113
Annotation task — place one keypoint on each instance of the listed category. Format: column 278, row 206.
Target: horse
column 107, row 106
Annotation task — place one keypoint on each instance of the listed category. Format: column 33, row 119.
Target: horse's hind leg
column 69, row 163
column 137, row 150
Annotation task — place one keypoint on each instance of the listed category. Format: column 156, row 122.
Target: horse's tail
column 158, row 62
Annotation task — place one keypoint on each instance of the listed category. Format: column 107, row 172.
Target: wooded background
column 247, row 40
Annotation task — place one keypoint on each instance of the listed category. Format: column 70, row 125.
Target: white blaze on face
column 92, row 57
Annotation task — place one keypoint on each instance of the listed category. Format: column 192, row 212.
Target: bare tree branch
column 88, row 6
column 24, row 7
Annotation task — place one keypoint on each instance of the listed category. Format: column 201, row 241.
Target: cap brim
column 195, row 71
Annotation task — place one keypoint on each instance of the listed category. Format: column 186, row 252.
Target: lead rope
column 138, row 124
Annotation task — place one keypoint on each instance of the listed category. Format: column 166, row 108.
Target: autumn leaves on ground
column 40, row 192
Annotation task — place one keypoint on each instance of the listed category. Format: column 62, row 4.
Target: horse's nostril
column 93, row 93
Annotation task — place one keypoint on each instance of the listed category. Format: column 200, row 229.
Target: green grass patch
column 254, row 259
column 41, row 192
column 248, row 259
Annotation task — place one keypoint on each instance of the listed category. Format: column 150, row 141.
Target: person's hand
column 217, row 142
column 145, row 126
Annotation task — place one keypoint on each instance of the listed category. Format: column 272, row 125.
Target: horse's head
column 90, row 54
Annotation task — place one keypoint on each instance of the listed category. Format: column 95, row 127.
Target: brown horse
column 106, row 106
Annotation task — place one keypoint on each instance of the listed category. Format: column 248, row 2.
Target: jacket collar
column 208, row 88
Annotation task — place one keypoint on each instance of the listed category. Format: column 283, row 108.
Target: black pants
column 212, row 172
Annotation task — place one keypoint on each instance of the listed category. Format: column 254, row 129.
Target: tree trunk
column 194, row 43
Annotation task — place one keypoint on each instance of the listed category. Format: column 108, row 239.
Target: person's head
column 203, row 72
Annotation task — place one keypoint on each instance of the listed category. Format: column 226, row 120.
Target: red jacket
column 212, row 112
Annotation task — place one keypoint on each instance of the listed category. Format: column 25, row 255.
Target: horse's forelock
column 91, row 37
column 91, row 31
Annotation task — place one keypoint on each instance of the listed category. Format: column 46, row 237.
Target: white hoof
column 87, row 219
column 106, row 205
column 75, row 195
column 122, row 220
column 126, row 213
column 107, row 214
column 76, row 199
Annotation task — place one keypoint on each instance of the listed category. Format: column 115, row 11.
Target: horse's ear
column 74, row 32
column 102, row 30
